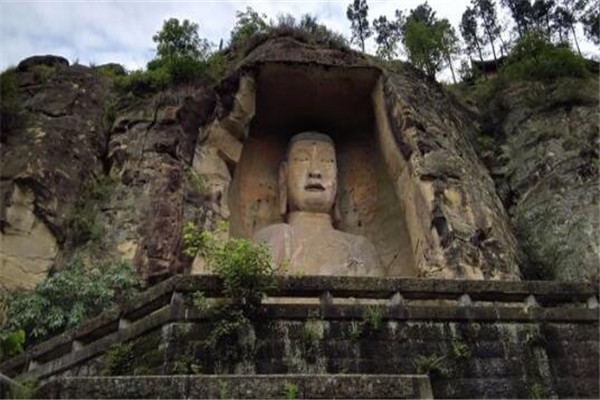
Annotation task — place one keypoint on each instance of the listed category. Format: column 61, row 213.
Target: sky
column 97, row 32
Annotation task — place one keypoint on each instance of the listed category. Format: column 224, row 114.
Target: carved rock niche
column 290, row 99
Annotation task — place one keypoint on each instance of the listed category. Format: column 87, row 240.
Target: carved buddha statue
column 309, row 243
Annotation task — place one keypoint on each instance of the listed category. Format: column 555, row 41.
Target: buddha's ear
column 282, row 190
column 336, row 215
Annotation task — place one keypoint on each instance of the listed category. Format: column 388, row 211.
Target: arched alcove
column 338, row 102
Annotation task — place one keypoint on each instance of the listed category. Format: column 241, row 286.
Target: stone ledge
column 241, row 387
column 160, row 295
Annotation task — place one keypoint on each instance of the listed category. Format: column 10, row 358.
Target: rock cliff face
column 545, row 165
column 149, row 164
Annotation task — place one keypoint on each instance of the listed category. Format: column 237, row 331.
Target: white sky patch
column 121, row 31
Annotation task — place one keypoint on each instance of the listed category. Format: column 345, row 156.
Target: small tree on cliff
column 180, row 39
column 357, row 14
column 468, row 30
column 388, row 35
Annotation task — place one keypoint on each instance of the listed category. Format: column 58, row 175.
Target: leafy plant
column 460, row 350
column 536, row 391
column 24, row 389
column 355, row 331
column 69, row 297
column 373, row 317
column 118, row 359
column 187, row 365
column 11, row 343
column 291, row 391
column 310, row 340
column 197, row 241
column 430, row 365
column 11, row 106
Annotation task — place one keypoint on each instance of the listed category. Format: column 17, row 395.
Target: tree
column 429, row 41
column 521, row 12
column 542, row 15
column 568, row 13
column 486, row 11
column 177, row 39
column 449, row 43
column 357, row 14
column 591, row 23
column 388, row 34
column 248, row 23
column 468, row 30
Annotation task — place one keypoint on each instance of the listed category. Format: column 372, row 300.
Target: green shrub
column 69, row 297
column 83, row 222
column 291, row 391
column 142, row 82
column 355, row 331
column 11, row 343
column 535, row 58
column 11, row 105
column 432, row 365
column 118, row 360
column 373, row 317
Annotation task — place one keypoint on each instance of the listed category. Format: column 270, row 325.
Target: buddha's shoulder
column 271, row 231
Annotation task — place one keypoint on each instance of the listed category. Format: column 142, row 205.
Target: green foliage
column 310, row 340
column 429, row 41
column 118, row 360
column 432, row 365
column 355, row 331
column 177, row 39
column 357, row 13
column 306, row 30
column 246, row 273
column 69, row 297
column 291, row 391
column 389, row 34
column 141, row 82
column 109, row 114
column 41, row 72
column 11, row 106
column 535, row 58
column 200, row 301
column 245, row 270
column 83, row 222
column 373, row 317
column 11, row 343
column 197, row 241
column 186, row 365
column 248, row 24
column 460, row 350
column 536, row 391
column 195, row 181
column 25, row 389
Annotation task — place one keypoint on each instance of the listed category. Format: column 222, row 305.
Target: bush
column 118, row 360
column 83, row 222
column 69, row 297
column 11, row 106
column 535, row 58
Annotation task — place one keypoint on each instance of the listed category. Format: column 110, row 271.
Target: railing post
column 465, row 301
column 326, row 301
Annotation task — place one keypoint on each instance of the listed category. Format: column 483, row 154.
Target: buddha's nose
column 314, row 174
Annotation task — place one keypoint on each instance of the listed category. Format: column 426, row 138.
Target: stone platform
column 474, row 339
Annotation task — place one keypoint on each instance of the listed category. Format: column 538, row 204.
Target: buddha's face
column 311, row 175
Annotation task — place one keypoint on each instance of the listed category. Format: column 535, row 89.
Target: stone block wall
column 474, row 339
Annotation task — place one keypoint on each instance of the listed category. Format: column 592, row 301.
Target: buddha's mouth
column 314, row 187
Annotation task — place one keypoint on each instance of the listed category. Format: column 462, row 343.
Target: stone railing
column 406, row 299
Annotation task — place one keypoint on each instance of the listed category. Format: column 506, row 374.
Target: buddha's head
column 308, row 176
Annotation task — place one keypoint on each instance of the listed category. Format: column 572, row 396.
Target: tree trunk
column 493, row 47
column 575, row 38
column 451, row 68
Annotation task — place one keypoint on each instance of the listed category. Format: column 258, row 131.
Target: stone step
column 305, row 386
